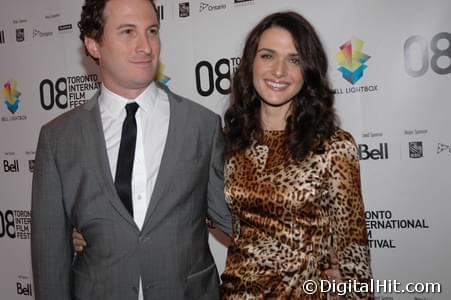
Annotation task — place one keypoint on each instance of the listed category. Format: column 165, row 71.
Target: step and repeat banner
column 390, row 67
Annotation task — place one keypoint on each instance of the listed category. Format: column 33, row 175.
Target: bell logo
column 375, row 154
column 10, row 167
column 24, row 290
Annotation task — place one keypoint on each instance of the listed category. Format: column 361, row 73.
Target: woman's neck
column 273, row 118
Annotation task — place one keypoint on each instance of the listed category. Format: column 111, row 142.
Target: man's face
column 129, row 48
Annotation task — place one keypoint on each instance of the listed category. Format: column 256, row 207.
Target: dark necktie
column 124, row 168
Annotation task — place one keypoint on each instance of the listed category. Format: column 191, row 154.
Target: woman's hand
column 78, row 241
column 333, row 273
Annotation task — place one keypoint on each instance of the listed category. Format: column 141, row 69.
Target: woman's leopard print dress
column 288, row 215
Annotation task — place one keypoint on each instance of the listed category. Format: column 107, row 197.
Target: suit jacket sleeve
column 218, row 209
column 51, row 248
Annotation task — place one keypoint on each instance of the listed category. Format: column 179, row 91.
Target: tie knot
column 131, row 108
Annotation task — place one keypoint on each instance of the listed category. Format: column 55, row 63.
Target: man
column 138, row 190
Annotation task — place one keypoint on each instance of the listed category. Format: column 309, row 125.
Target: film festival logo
column 351, row 60
column 15, row 224
column 415, row 149
column 11, row 96
column 20, row 35
column 184, row 9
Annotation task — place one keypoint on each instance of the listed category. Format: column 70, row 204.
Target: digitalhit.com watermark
column 374, row 286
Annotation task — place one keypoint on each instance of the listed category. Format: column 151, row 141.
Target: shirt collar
column 114, row 104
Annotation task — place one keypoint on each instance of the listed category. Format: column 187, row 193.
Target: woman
column 292, row 176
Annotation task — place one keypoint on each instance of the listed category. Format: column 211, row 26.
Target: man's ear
column 92, row 46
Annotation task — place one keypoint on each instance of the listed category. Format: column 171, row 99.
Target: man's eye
column 153, row 31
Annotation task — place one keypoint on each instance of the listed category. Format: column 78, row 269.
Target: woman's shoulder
column 340, row 138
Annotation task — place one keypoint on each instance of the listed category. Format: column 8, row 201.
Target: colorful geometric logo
column 160, row 75
column 352, row 60
column 11, row 96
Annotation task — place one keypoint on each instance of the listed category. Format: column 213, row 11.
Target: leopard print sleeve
column 350, row 240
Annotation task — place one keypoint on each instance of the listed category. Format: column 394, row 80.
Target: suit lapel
column 94, row 141
column 176, row 122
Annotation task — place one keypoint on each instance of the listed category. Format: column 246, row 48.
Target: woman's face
column 277, row 75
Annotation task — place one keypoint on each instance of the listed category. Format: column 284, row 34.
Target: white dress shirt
column 152, row 122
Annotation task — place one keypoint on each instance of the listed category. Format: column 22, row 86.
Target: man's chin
column 143, row 83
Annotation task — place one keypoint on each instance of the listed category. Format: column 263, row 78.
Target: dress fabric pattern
column 288, row 215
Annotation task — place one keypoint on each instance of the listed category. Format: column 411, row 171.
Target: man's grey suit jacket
column 73, row 188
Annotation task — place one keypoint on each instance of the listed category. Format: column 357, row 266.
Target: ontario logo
column 161, row 77
column 11, row 100
column 352, row 63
